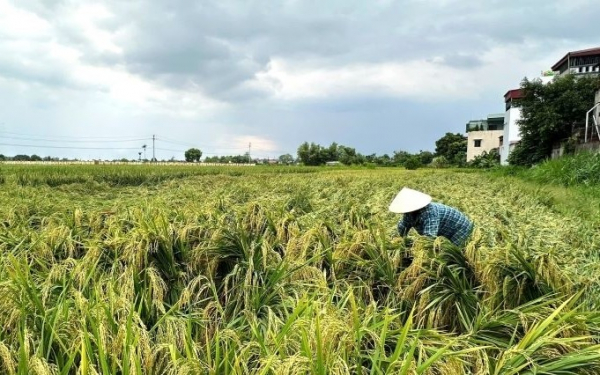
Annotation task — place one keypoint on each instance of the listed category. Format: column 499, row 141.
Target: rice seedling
column 185, row 270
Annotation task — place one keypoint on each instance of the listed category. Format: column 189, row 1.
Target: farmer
column 429, row 218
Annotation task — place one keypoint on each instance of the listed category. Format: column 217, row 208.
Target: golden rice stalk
column 39, row 366
column 8, row 364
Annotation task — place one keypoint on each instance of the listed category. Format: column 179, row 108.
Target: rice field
column 148, row 270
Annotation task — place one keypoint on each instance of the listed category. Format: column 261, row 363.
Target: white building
column 511, row 135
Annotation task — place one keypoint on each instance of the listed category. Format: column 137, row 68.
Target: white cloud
column 85, row 19
column 33, row 54
column 423, row 80
column 260, row 145
column 20, row 24
column 226, row 73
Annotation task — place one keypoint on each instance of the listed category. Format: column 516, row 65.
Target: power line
column 71, row 147
column 72, row 141
column 221, row 151
column 61, row 137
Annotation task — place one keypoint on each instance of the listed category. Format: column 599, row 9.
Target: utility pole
column 153, row 149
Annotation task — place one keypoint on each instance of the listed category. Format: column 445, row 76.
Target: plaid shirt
column 435, row 220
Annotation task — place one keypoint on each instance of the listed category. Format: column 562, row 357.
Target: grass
column 582, row 169
column 268, row 271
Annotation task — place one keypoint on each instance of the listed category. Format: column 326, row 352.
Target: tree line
column 450, row 150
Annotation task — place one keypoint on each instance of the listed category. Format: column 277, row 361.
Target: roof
column 496, row 116
column 580, row 53
column 514, row 94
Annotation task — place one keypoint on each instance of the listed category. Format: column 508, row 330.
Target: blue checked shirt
column 435, row 220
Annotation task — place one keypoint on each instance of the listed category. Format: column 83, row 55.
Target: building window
column 501, row 138
column 477, row 143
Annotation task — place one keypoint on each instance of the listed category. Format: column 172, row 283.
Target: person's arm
column 404, row 226
column 431, row 224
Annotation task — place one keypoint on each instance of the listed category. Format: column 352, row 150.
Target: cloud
column 261, row 144
column 275, row 73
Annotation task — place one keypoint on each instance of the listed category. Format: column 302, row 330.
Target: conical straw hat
column 409, row 200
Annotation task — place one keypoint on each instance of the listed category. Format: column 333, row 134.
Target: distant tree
column 413, row 162
column 21, row 158
column 303, row 152
column 286, row 159
column 311, row 154
column 400, row 157
column 35, row 157
column 331, row 153
column 347, row 155
column 453, row 147
column 384, row 160
column 439, row 162
column 238, row 159
column 550, row 113
column 193, row 155
column 2, row 157
column 426, row 157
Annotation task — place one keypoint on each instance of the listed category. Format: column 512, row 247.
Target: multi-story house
column 484, row 135
column 586, row 61
column 583, row 62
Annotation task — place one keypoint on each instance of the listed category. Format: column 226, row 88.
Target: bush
column 486, row 160
column 412, row 163
column 440, row 162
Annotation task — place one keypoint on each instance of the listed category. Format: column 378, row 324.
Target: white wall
column 489, row 140
column 511, row 132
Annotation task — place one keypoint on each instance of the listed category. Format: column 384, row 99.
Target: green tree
column 311, row 154
column 384, row 159
column 239, row 159
column 453, row 147
column 400, row 157
column 331, row 153
column 413, row 162
column 286, row 159
column 193, row 155
column 550, row 113
column 439, row 162
column 347, row 155
column 426, row 157
column 21, row 158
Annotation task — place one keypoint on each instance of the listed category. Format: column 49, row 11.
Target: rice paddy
column 148, row 270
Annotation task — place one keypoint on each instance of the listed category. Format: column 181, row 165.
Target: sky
column 97, row 79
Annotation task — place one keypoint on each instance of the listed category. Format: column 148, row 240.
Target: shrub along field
column 267, row 271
